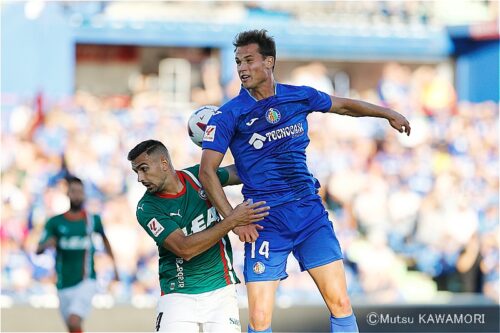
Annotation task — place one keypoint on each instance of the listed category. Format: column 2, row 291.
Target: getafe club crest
column 273, row 116
column 259, row 268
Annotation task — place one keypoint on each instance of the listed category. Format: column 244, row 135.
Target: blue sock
column 343, row 324
column 267, row 330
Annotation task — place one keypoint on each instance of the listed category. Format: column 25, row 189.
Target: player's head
column 255, row 55
column 76, row 193
column 151, row 161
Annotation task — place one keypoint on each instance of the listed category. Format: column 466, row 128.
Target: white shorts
column 77, row 300
column 214, row 311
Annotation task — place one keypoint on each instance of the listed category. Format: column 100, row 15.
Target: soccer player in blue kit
column 265, row 127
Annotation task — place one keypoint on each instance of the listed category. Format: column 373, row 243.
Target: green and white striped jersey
column 191, row 212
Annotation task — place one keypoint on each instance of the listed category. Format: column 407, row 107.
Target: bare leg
column 261, row 303
column 330, row 279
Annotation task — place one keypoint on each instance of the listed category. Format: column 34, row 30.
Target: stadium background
column 417, row 217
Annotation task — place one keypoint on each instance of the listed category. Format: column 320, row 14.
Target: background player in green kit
column 71, row 235
column 195, row 266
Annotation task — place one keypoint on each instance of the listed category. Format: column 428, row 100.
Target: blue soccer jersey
column 268, row 139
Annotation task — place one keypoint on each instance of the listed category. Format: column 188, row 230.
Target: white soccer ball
column 198, row 122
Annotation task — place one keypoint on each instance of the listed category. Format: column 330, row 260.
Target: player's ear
column 269, row 62
column 164, row 163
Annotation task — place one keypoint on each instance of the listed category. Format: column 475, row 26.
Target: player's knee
column 260, row 319
column 74, row 323
column 341, row 306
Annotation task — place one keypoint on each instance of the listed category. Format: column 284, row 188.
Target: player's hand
column 248, row 233
column 248, row 212
column 400, row 123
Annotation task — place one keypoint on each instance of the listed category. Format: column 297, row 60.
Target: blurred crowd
column 361, row 15
column 415, row 215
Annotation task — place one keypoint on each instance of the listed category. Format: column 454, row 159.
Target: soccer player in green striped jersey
column 71, row 235
column 195, row 258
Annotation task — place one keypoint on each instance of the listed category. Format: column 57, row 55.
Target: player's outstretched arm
column 190, row 246
column 210, row 161
column 357, row 108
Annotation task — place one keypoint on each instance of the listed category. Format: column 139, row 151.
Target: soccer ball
column 198, row 122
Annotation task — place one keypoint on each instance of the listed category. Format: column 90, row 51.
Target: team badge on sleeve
column 210, row 133
column 155, row 227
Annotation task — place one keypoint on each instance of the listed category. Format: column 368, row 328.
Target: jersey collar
column 253, row 98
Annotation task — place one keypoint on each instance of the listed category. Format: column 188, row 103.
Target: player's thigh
column 319, row 246
column 77, row 300
column 81, row 303
column 261, row 297
column 65, row 297
column 176, row 309
column 266, row 258
column 220, row 310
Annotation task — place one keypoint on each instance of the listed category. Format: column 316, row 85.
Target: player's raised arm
column 357, row 108
column 210, row 162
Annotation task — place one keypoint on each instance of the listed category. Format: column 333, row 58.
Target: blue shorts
column 301, row 227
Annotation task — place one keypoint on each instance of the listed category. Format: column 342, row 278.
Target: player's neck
column 265, row 90
column 173, row 187
column 73, row 214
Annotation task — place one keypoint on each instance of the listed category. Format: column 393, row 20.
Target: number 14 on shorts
column 263, row 250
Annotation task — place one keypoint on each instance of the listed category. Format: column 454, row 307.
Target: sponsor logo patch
column 273, row 116
column 257, row 141
column 259, row 268
column 155, row 227
column 292, row 131
column 209, row 133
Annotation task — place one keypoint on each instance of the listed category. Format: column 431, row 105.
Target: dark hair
column 267, row 46
column 72, row 179
column 148, row 146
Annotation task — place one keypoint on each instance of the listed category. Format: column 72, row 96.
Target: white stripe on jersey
column 229, row 264
column 196, row 181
